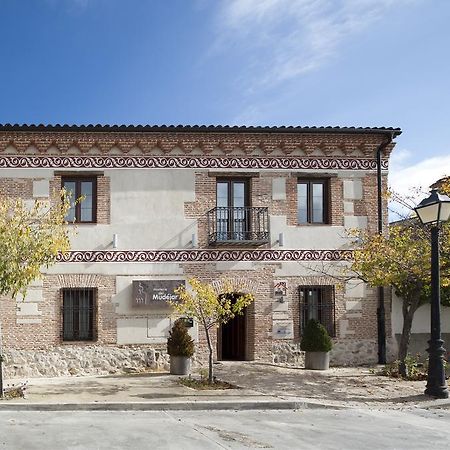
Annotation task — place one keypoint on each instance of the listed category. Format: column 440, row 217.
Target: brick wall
column 47, row 331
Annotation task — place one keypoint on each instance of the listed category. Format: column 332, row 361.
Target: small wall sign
column 283, row 329
column 279, row 288
column 155, row 292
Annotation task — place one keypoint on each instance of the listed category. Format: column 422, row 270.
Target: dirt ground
column 339, row 386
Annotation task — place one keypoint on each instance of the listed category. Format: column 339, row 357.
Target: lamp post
column 433, row 211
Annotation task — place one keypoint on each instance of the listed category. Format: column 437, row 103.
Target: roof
column 394, row 132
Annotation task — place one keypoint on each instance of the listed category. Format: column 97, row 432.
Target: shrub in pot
column 180, row 348
column 316, row 343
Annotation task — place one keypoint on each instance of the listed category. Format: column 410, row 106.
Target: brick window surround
column 103, row 204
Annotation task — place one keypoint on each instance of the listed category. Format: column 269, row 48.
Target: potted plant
column 316, row 343
column 180, row 348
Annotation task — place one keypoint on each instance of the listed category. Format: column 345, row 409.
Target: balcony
column 242, row 226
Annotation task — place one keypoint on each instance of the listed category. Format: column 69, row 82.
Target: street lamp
column 433, row 211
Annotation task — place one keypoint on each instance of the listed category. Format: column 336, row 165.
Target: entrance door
column 232, row 211
column 233, row 337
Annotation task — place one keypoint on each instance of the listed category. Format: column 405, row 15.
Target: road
column 302, row 429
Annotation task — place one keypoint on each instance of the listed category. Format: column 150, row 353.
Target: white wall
column 421, row 322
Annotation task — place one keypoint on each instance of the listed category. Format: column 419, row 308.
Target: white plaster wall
column 309, row 268
column 307, row 237
column 147, row 211
column 421, row 322
column 117, row 268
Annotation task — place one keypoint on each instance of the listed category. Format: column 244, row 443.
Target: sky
column 236, row 62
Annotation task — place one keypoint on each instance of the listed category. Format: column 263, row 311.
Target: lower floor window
column 317, row 302
column 78, row 314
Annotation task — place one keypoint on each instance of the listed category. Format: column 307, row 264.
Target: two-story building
column 266, row 208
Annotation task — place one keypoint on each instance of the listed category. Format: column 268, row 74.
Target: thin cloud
column 412, row 180
column 284, row 39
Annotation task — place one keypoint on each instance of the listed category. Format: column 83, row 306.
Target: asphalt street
column 301, row 429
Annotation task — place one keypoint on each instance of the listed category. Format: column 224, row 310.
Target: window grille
column 78, row 315
column 318, row 302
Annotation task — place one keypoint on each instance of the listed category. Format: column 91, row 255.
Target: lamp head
column 434, row 209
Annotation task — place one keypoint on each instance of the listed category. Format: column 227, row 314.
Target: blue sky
column 253, row 62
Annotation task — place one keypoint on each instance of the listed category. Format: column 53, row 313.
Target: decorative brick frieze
column 145, row 256
column 295, row 144
column 188, row 162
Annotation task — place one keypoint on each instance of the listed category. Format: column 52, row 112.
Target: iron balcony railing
column 238, row 226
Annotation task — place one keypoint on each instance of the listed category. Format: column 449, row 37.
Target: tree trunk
column 1, row 376
column 210, row 358
column 408, row 310
column 1, row 362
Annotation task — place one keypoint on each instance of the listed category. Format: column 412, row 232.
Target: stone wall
column 83, row 360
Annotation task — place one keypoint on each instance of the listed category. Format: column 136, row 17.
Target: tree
column 210, row 309
column 402, row 260
column 30, row 239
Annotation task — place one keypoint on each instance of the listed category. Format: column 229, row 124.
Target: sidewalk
column 259, row 386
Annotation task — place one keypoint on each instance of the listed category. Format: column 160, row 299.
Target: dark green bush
column 315, row 338
column 179, row 343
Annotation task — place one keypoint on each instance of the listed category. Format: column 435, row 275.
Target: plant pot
column 180, row 365
column 317, row 360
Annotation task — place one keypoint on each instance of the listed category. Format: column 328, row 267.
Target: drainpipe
column 381, row 313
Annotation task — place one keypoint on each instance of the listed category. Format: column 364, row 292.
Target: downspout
column 381, row 312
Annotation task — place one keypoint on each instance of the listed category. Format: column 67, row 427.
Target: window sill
column 82, row 223
column 314, row 224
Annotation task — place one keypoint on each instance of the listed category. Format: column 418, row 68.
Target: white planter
column 180, row 365
column 317, row 360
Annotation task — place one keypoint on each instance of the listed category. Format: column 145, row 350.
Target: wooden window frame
column 77, row 179
column 94, row 325
column 230, row 181
column 325, row 182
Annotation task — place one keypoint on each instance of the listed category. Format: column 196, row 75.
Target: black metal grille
column 78, row 314
column 317, row 302
column 239, row 225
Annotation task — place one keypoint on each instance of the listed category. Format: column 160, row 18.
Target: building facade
column 265, row 208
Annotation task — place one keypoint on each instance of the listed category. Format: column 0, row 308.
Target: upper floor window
column 83, row 211
column 312, row 201
column 233, row 214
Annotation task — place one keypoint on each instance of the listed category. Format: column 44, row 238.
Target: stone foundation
column 83, row 360
column 287, row 353
column 354, row 353
column 344, row 353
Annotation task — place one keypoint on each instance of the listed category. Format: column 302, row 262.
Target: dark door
column 232, row 338
column 232, row 210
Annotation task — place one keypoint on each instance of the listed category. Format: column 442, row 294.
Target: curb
column 436, row 404
column 164, row 406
